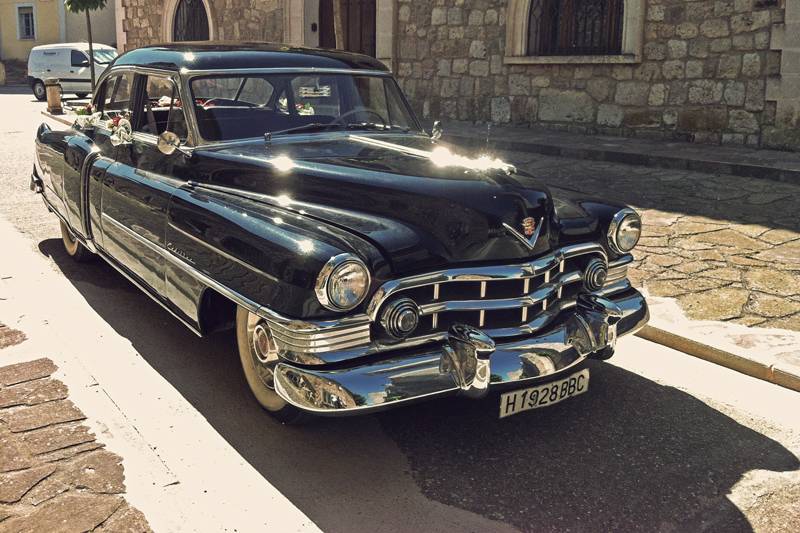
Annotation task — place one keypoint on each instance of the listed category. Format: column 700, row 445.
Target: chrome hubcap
column 263, row 350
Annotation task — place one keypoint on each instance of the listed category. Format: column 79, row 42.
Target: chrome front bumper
column 468, row 363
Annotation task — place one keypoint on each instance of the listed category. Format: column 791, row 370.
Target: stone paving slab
column 737, row 161
column 54, row 475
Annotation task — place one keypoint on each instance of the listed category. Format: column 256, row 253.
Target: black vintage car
column 291, row 194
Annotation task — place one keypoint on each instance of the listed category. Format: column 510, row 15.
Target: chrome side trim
column 223, row 253
column 156, row 248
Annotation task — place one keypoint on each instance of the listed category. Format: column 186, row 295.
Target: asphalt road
column 662, row 441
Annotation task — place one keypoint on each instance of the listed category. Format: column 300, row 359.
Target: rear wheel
column 259, row 355
column 39, row 90
column 74, row 248
column 81, row 95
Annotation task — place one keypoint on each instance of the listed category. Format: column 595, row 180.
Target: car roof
column 243, row 55
column 71, row 46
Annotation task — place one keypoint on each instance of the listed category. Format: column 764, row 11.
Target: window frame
column 518, row 17
column 138, row 113
column 17, row 8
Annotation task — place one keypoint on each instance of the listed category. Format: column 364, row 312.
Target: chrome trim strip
column 223, row 253
column 191, row 73
column 158, row 249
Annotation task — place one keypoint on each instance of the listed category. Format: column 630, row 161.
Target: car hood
column 423, row 205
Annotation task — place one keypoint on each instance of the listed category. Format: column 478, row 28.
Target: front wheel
column 74, row 248
column 39, row 90
column 259, row 355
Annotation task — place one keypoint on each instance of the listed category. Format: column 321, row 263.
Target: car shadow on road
column 629, row 455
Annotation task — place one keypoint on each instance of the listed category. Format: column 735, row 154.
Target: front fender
column 266, row 254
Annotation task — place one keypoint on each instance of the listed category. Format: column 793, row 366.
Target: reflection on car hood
column 424, row 205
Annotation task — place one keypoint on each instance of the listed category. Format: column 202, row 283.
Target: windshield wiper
column 312, row 126
column 375, row 126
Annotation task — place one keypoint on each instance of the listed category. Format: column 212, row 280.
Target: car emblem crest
column 531, row 228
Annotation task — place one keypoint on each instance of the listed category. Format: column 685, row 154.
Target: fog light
column 594, row 277
column 400, row 318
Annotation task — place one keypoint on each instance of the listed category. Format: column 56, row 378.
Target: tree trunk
column 91, row 47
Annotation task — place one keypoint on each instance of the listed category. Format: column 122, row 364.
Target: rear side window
column 79, row 59
column 163, row 109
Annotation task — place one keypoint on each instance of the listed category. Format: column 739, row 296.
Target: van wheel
column 39, row 91
column 74, row 248
column 259, row 355
column 81, row 95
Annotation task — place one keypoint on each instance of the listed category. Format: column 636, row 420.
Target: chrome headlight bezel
column 334, row 266
column 618, row 223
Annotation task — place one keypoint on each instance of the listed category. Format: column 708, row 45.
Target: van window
column 116, row 93
column 79, row 59
column 163, row 110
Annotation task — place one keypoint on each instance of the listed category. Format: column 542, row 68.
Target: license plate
column 515, row 402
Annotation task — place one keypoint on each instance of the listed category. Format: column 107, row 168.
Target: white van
column 69, row 62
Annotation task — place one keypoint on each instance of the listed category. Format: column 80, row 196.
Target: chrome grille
column 503, row 300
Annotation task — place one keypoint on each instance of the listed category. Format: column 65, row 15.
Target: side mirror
column 437, row 131
column 168, row 142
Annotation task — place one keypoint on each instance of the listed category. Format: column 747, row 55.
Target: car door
column 79, row 78
column 138, row 186
column 88, row 154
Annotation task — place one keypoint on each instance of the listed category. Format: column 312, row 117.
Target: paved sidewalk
column 54, row 474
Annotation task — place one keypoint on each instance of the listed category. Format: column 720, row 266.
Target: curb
column 721, row 357
column 589, row 153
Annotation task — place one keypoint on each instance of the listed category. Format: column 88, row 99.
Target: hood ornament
column 530, row 231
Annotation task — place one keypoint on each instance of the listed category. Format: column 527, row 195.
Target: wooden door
column 347, row 25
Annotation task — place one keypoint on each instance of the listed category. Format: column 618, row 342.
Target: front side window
column 162, row 108
column 575, row 27
column 117, row 94
column 79, row 59
column 238, row 106
column 25, row 21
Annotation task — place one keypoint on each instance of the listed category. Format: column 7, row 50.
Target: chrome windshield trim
column 191, row 73
column 530, row 269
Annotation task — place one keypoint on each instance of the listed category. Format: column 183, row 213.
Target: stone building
column 714, row 71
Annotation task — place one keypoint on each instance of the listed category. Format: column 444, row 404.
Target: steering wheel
column 341, row 118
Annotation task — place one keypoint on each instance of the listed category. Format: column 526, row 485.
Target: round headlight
column 343, row 283
column 624, row 231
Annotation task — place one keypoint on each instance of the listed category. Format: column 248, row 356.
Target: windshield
column 104, row 56
column 242, row 106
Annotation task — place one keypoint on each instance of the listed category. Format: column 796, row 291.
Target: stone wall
column 233, row 20
column 703, row 74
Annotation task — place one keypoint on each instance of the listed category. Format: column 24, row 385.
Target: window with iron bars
column 575, row 27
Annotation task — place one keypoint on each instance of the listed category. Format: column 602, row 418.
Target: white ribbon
column 122, row 133
column 87, row 122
